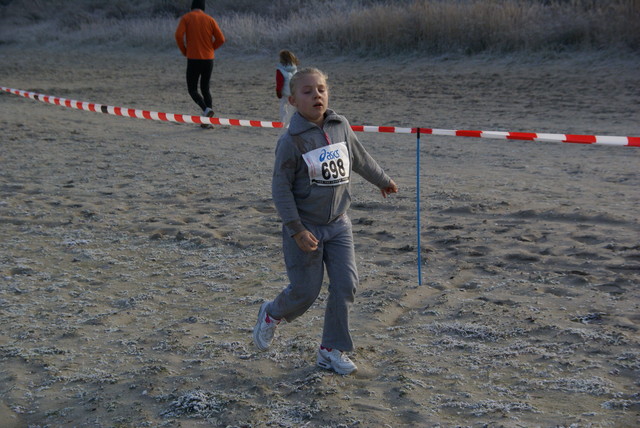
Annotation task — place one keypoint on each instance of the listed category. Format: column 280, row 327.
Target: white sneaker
column 336, row 360
column 265, row 328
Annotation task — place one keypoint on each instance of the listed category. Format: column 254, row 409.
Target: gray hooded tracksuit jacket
column 319, row 206
column 296, row 199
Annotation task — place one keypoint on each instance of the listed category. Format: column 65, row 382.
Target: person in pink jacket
column 198, row 36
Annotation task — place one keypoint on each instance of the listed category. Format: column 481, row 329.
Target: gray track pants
column 306, row 270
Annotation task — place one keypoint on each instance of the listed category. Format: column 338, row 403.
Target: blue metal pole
column 418, row 205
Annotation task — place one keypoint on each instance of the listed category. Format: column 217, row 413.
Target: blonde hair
column 305, row 72
column 288, row 58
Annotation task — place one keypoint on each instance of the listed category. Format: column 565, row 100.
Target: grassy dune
column 365, row 27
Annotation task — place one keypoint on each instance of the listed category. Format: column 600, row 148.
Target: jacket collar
column 300, row 125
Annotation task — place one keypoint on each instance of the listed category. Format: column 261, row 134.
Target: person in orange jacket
column 198, row 36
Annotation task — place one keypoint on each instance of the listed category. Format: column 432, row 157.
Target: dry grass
column 380, row 28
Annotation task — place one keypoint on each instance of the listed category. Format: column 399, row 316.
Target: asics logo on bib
column 329, row 155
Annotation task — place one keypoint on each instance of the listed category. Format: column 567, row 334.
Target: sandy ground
column 135, row 254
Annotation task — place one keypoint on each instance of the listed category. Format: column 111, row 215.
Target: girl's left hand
column 391, row 188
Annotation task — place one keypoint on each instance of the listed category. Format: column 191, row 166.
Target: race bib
column 329, row 165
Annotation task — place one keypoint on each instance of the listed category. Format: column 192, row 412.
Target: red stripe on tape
column 634, row 141
column 163, row 116
column 235, row 122
column 387, row 129
column 526, row 136
column 256, row 123
column 146, row 114
column 179, row 118
column 117, row 111
column 580, row 139
column 422, row 130
column 131, row 112
column 469, row 133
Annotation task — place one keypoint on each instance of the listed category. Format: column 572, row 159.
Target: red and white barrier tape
column 183, row 118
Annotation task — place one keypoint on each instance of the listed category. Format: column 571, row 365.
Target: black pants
column 200, row 70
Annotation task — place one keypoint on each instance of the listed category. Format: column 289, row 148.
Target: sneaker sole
column 262, row 313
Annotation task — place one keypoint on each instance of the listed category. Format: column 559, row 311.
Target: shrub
column 367, row 27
